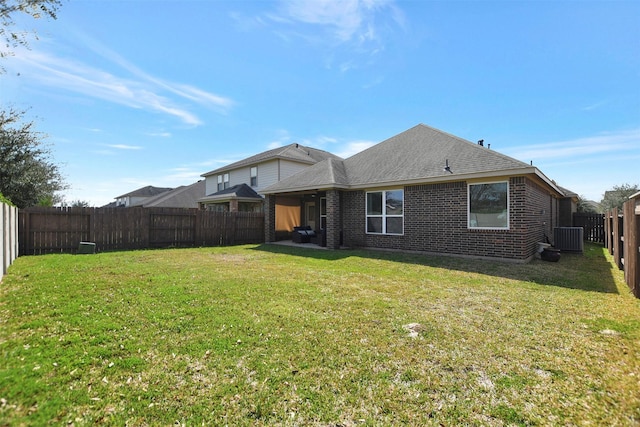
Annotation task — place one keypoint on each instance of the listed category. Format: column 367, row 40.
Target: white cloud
column 595, row 106
column 354, row 147
column 184, row 174
column 160, row 134
column 343, row 18
column 140, row 91
column 574, row 149
column 362, row 25
column 589, row 165
column 274, row 144
column 124, row 147
column 323, row 142
column 282, row 138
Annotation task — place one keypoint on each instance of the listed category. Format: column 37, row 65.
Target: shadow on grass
column 589, row 271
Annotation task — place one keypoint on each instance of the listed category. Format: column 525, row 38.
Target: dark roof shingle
column 416, row 155
column 294, row 152
column 147, row 191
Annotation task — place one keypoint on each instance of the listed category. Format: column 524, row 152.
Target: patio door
column 310, row 214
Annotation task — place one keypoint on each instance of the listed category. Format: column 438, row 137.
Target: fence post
column 91, row 231
column 607, row 231
column 631, row 246
column 25, row 245
column 9, row 241
column 616, row 244
column 5, row 235
column 13, row 211
column 197, row 232
column 145, row 226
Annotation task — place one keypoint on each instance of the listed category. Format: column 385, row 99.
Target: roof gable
column 419, row 154
column 293, row 152
column 185, row 196
column 147, row 191
column 422, row 152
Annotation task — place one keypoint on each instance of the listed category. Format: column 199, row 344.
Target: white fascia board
column 431, row 180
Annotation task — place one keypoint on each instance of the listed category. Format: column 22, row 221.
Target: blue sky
column 135, row 93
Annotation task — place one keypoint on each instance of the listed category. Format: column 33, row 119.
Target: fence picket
column 623, row 240
column 9, row 241
column 48, row 230
column 593, row 225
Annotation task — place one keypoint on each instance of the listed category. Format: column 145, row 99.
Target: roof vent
column 447, row 168
column 481, row 142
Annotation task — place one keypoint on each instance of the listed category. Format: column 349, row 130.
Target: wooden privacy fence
column 592, row 224
column 9, row 242
column 622, row 238
column 50, row 230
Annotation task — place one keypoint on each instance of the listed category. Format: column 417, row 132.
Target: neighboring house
column 185, row 196
column 422, row 190
column 138, row 197
column 568, row 206
column 236, row 187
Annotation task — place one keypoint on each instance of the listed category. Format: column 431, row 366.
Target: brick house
column 423, row 190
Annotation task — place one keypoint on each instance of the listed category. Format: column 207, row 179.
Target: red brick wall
column 435, row 220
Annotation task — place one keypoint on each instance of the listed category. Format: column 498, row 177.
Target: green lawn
column 270, row 335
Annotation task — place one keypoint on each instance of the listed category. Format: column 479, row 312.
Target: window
column 489, row 205
column 223, row 181
column 323, row 213
column 218, row 207
column 249, row 207
column 254, row 176
column 385, row 212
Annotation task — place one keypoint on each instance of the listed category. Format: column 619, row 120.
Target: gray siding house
column 235, row 187
column 423, row 190
column 139, row 196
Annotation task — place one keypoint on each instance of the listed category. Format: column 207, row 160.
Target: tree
column 79, row 204
column 586, row 206
column 10, row 8
column 615, row 197
column 28, row 177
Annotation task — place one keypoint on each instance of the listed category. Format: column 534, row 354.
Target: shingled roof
column 240, row 191
column 147, row 191
column 417, row 155
column 185, row 196
column 293, row 152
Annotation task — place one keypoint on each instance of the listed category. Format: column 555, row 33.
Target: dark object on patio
column 550, row 254
column 302, row 234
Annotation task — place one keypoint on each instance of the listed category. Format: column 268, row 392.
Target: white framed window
column 223, row 181
column 488, row 205
column 254, row 176
column 385, row 212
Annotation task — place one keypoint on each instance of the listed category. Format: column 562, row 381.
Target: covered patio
column 311, row 210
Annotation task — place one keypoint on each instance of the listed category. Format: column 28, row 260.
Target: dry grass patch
column 265, row 335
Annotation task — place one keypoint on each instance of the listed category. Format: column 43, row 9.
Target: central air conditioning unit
column 568, row 239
